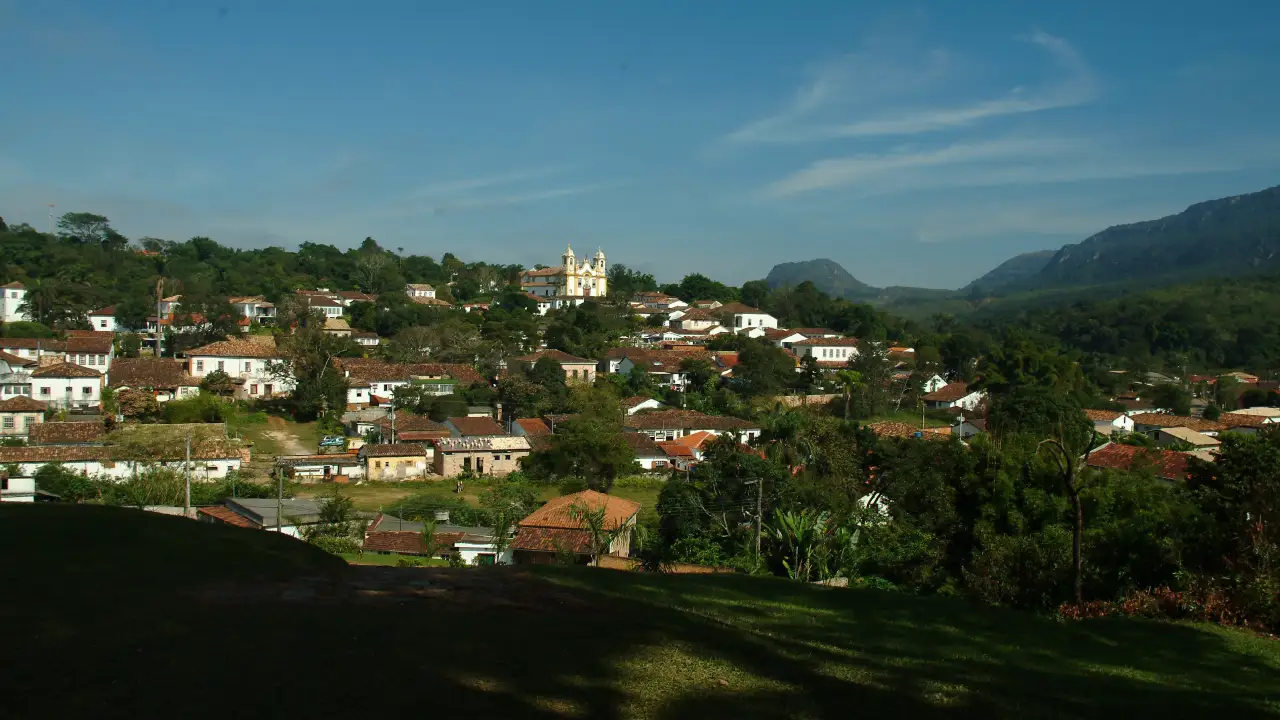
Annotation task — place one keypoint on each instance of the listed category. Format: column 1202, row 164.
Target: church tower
column 570, row 272
column 601, row 277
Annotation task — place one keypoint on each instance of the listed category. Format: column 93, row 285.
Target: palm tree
column 798, row 535
column 849, row 380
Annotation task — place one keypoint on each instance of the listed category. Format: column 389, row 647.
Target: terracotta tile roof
column 726, row 359
column 108, row 311
column 559, row 356
column 464, row 374
column 150, row 373
column 1168, row 464
column 695, row 440
column 435, row 301
column 65, row 370
column 700, row 314
column 1102, row 415
column 737, row 308
column 949, row 392
column 82, row 453
column 545, row 272
column 419, row 286
column 676, row 450
column 533, row 426
column 394, row 450
column 1163, row 420
column 44, row 344
column 17, row 360
column 539, row 539
column 813, row 332
column 420, row 435
column 684, row 419
column 22, row 403
column 409, row 421
column 476, row 426
column 557, row 512
column 485, row 443
column 96, row 343
column 890, row 428
column 643, row 445
column 15, row 285
column 827, row 342
column 317, row 300
column 1241, row 420
column 407, row 542
column 540, row 443
column 226, row 515
column 235, row 348
column 357, row 296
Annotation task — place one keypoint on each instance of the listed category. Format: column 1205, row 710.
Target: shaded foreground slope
column 118, row 613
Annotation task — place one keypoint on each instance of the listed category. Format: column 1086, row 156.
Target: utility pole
column 51, row 206
column 279, row 499
column 187, row 504
column 393, row 419
column 159, row 315
column 759, row 515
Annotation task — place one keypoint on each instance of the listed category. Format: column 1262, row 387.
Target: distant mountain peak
column 827, row 275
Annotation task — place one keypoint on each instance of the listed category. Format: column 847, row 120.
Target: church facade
column 573, row 279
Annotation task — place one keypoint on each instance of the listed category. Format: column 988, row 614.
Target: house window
column 199, row 366
column 102, row 324
column 44, row 391
column 87, row 390
column 81, row 360
column 222, row 364
column 211, row 468
column 248, row 366
column 575, row 374
column 8, row 422
column 253, row 389
column 496, row 458
column 377, row 464
column 508, row 457
column 26, row 421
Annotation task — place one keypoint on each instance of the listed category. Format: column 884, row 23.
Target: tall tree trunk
column 1077, row 533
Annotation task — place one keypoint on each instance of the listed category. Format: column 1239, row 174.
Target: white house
column 168, row 306
column 66, row 386
column 248, row 362
column 954, row 395
column 254, row 307
column 422, row 290
column 663, row 366
column 209, row 461
column 1109, row 421
column 638, row 403
column 103, row 320
column 659, row 302
column 665, row 425
column 94, row 351
column 166, row 379
column 830, row 352
column 15, row 375
column 17, row 489
column 738, row 316
column 933, row 384
column 365, row 339
column 12, row 296
column 695, row 319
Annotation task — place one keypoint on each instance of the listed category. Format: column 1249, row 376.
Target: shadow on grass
column 578, row 642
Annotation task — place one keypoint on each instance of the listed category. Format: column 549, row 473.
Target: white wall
column 469, row 551
column 254, row 371
column 827, row 353
column 18, row 489
column 743, row 320
column 67, row 392
column 10, row 302
column 103, row 323
column 214, row 469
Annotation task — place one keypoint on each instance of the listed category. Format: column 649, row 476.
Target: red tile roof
column 1168, row 464
column 676, row 450
column 17, row 360
column 151, row 373
column 557, row 513
column 1166, row 421
column 476, row 426
column 890, row 428
column 1238, row 420
column 533, row 426
column 409, row 421
column 226, row 515
column 406, row 542
column 394, row 450
column 1102, row 415
column 22, row 403
column 540, row 539
column 684, row 419
column 559, row 356
column 828, row 342
column 65, row 370
column 235, row 348
column 62, row 433
column 949, row 393
column 44, row 344
column 108, row 311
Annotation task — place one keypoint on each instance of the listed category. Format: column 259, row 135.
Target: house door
column 479, row 466
column 266, row 390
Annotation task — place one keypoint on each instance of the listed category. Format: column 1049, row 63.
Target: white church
column 12, row 296
column 570, row 283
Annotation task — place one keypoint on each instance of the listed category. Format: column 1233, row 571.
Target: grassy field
column 279, row 436
column 391, row 559
column 116, row 612
column 907, row 416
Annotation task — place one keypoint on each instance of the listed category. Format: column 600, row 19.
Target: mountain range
column 1230, row 236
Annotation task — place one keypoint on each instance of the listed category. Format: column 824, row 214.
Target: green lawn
column 115, row 612
column 391, row 559
column 907, row 416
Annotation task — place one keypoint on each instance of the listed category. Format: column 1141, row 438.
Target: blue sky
column 916, row 145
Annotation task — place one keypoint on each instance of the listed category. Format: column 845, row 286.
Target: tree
column 699, row 371
column 84, row 228
column 1067, row 456
column 849, row 381
column 763, row 369
column 339, row 529
column 68, row 485
column 308, row 360
column 137, row 404
column 130, row 345
column 590, row 445
column 507, row 502
column 601, row 533
column 1173, row 398
column 218, row 383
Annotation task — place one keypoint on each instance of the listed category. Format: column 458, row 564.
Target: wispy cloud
column 453, row 187
column 519, row 198
column 517, row 187
column 875, row 88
